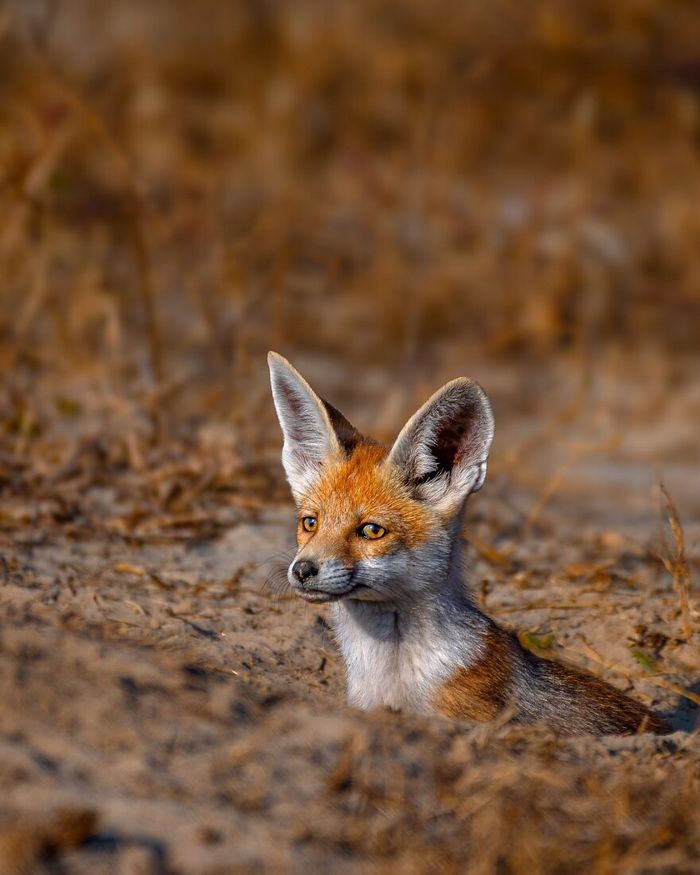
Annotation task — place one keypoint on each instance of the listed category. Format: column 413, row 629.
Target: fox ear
column 442, row 450
column 313, row 430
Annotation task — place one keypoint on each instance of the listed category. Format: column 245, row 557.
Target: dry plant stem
column 555, row 482
column 677, row 564
column 550, row 488
column 548, row 431
column 551, row 606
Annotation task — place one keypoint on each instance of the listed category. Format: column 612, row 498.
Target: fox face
column 359, row 530
column 376, row 523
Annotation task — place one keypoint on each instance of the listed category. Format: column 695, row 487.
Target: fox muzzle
column 320, row 581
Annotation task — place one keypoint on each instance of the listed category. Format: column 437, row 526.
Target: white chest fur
column 393, row 660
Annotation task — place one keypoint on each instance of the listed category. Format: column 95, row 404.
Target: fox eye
column 371, row 531
column 310, row 523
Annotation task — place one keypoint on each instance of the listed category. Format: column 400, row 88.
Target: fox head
column 378, row 523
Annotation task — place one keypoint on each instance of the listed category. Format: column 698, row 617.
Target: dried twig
column 677, row 565
column 555, row 481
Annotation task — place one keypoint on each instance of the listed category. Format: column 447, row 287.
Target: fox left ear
column 313, row 429
column 442, row 450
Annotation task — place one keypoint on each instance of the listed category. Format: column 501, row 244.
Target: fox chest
column 386, row 669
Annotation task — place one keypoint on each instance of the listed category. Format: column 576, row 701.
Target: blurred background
column 390, row 194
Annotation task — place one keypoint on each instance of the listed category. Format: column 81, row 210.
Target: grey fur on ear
column 442, row 450
column 313, row 430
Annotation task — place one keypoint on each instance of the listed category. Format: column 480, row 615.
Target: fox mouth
column 319, row 596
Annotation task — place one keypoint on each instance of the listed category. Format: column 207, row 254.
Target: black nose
column 304, row 569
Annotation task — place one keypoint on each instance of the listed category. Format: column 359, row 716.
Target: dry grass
column 676, row 564
column 385, row 183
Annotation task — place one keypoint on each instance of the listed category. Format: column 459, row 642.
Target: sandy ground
column 163, row 710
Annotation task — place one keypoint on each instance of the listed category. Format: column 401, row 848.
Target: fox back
column 379, row 535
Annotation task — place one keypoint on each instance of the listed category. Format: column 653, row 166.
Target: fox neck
column 398, row 653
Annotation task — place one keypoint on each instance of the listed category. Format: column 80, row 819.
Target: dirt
column 155, row 675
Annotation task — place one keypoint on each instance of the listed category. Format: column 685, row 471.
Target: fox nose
column 304, row 569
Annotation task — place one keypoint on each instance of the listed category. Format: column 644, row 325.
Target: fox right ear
column 313, row 429
column 442, row 450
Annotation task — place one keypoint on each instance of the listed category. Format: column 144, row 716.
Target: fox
column 379, row 536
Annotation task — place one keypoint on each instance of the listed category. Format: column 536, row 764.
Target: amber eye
column 371, row 531
column 310, row 523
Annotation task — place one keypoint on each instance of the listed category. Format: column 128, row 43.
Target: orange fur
column 480, row 692
column 484, row 691
column 355, row 490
